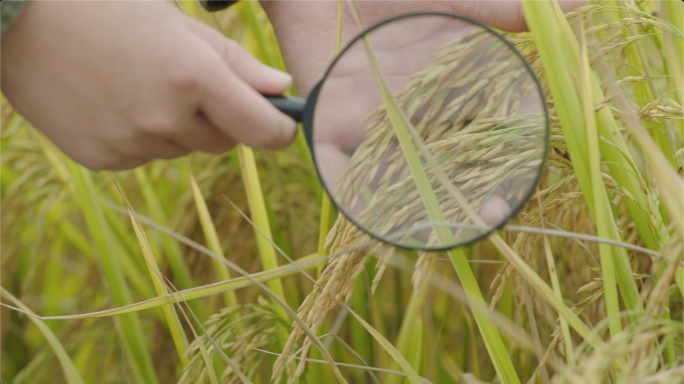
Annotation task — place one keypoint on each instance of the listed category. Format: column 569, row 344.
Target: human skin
column 116, row 84
column 307, row 30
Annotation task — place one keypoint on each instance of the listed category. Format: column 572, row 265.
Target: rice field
column 237, row 268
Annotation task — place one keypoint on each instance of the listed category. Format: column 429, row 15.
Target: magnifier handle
column 216, row 5
column 291, row 106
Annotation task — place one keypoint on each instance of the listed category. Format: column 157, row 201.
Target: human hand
column 116, row 84
column 307, row 33
column 307, row 30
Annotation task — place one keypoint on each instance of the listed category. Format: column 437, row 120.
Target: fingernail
column 278, row 76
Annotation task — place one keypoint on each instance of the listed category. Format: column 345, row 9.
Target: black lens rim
column 307, row 122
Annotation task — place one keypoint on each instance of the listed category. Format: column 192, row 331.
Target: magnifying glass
column 476, row 111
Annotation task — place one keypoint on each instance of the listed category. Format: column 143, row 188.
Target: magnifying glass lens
column 473, row 102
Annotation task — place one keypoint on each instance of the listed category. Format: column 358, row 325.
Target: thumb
column 264, row 79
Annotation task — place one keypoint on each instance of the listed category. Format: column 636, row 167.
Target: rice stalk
column 540, row 18
column 70, row 372
column 600, row 197
column 360, row 340
column 670, row 183
column 43, row 226
column 622, row 166
column 665, row 135
column 279, row 301
column 176, row 329
column 674, row 52
column 241, row 330
column 367, row 368
column 410, row 333
column 127, row 324
column 172, row 251
column 410, row 372
column 567, row 339
column 211, row 236
column 205, row 355
column 256, row 204
column 306, row 263
column 59, row 164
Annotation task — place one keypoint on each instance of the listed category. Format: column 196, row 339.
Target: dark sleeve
column 9, row 11
column 216, row 5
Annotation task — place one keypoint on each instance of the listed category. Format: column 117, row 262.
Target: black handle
column 216, row 5
column 291, row 106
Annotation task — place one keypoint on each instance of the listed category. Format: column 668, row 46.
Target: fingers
column 518, row 24
column 230, row 98
column 194, row 134
column 506, row 15
column 495, row 210
column 264, row 79
column 515, row 21
column 201, row 135
column 243, row 114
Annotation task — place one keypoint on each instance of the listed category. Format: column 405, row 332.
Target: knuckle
column 231, row 49
column 158, row 123
column 216, row 142
column 273, row 136
column 262, row 138
column 186, row 74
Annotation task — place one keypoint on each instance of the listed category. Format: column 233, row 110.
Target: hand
column 307, row 30
column 116, row 84
column 307, row 33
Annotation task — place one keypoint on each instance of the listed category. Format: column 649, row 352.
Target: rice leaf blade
column 172, row 251
column 600, row 198
column 71, row 374
column 411, row 374
column 548, row 25
column 306, row 263
column 180, row 341
column 211, row 237
column 128, row 324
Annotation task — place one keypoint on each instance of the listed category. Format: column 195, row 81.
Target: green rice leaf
column 212, row 237
column 128, row 324
column 70, row 372
column 180, row 341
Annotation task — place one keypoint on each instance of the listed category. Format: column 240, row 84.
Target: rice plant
column 236, row 268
